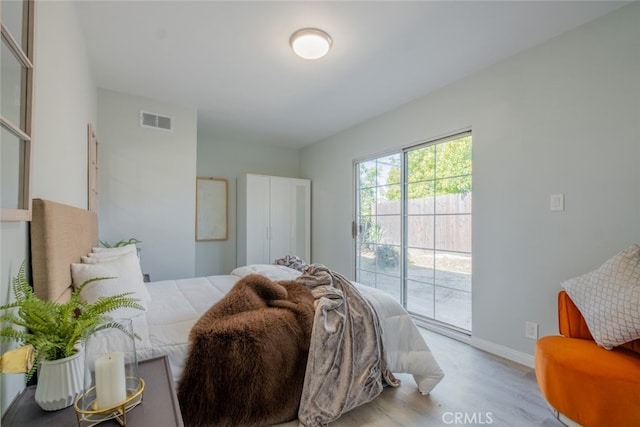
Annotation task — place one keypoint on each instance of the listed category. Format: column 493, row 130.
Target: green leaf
column 55, row 330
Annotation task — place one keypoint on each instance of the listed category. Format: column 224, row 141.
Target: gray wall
column 563, row 117
column 228, row 159
column 146, row 182
column 65, row 104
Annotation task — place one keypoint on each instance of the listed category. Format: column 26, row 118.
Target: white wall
column 146, row 182
column 66, row 99
column 224, row 159
column 65, row 102
column 562, row 117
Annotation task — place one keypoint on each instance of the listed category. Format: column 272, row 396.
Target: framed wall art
column 212, row 221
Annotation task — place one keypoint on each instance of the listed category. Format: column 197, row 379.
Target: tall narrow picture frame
column 212, row 221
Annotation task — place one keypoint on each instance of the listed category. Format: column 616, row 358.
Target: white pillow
column 120, row 250
column 609, row 298
column 127, row 267
column 106, row 287
column 89, row 259
column 271, row 271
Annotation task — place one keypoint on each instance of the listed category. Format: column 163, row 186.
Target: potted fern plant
column 56, row 332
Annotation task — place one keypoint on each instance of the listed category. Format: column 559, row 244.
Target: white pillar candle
column 111, row 386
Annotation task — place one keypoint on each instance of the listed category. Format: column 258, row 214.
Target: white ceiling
column 233, row 62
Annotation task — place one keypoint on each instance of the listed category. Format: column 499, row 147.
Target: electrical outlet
column 531, row 330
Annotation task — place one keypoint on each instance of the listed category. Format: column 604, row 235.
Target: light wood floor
column 478, row 388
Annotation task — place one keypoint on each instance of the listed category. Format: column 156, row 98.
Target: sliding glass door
column 413, row 228
column 379, row 224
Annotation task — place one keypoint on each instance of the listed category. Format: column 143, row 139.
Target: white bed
column 177, row 304
column 64, row 236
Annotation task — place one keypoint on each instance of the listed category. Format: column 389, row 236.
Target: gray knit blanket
column 346, row 365
column 292, row 261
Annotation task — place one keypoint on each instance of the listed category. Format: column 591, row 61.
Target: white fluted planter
column 60, row 382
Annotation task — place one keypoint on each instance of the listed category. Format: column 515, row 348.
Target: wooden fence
column 440, row 222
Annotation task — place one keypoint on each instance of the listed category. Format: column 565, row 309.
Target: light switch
column 557, row 202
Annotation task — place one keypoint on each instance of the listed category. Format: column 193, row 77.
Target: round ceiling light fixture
column 310, row 43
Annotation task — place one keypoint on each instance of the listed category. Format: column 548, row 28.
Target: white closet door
column 301, row 224
column 282, row 218
column 290, row 218
column 258, row 227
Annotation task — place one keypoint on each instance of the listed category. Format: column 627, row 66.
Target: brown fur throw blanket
column 247, row 356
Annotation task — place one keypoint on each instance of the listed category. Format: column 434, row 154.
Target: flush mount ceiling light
column 310, row 43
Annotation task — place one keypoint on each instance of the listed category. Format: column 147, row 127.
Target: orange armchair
column 583, row 382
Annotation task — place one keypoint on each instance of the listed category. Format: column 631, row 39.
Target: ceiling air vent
column 156, row 121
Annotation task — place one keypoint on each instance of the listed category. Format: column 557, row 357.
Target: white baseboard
column 447, row 332
column 488, row 346
column 502, row 351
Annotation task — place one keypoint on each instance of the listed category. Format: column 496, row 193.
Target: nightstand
column 159, row 406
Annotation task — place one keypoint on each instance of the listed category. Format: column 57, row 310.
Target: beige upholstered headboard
column 60, row 235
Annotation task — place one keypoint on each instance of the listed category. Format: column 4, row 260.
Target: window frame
column 26, row 60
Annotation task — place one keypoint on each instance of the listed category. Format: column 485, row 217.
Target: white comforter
column 177, row 304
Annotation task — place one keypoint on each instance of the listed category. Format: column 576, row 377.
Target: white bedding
column 177, row 304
